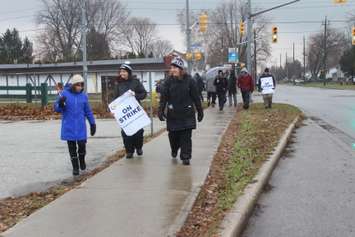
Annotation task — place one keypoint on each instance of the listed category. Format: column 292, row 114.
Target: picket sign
column 129, row 114
column 267, row 85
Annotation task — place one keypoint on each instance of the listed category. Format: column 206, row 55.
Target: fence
column 29, row 93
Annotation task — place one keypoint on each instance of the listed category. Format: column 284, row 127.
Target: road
column 312, row 191
column 33, row 157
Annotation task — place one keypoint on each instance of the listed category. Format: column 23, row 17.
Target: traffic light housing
column 353, row 35
column 242, row 28
column 188, row 56
column 274, row 34
column 198, row 56
column 203, row 22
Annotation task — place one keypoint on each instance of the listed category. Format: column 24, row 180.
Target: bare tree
column 61, row 19
column 139, row 35
column 336, row 44
column 160, row 48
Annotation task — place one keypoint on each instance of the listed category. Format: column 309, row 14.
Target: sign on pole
column 233, row 56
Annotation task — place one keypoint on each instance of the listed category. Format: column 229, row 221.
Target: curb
column 235, row 221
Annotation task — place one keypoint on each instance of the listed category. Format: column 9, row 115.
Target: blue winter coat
column 76, row 111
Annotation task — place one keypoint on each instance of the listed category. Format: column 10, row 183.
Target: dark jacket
column 246, row 83
column 74, row 114
column 221, row 84
column 266, row 75
column 232, row 84
column 181, row 97
column 200, row 83
column 133, row 84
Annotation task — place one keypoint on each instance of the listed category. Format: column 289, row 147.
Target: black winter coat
column 181, row 97
column 221, row 84
column 133, row 84
column 232, row 84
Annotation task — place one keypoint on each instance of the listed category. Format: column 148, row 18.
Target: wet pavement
column 33, row 157
column 312, row 191
column 148, row 196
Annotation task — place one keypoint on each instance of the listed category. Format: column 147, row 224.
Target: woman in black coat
column 181, row 98
column 125, row 82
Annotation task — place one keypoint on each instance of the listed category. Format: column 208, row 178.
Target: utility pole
column 304, row 58
column 280, row 60
column 286, row 65
column 188, row 35
column 84, row 44
column 249, row 36
column 324, row 73
column 255, row 59
column 293, row 53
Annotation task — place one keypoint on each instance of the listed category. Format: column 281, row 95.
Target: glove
column 132, row 93
column 62, row 101
column 161, row 116
column 200, row 116
column 92, row 129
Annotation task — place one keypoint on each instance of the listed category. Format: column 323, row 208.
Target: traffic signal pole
column 250, row 26
column 188, row 36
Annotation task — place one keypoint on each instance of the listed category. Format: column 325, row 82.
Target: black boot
column 174, row 154
column 82, row 162
column 186, row 162
column 75, row 163
column 139, row 152
column 129, row 155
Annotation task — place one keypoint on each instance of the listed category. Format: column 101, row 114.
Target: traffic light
column 203, row 22
column 274, row 34
column 198, row 56
column 241, row 28
column 188, row 56
column 353, row 35
column 340, row 1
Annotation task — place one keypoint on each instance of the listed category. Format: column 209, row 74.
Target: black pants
column 201, row 96
column 212, row 95
column 132, row 143
column 77, row 148
column 181, row 140
column 222, row 99
column 246, row 99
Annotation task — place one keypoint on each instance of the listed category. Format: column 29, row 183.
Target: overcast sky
column 20, row 14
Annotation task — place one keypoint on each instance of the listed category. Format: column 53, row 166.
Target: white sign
column 267, row 85
column 129, row 114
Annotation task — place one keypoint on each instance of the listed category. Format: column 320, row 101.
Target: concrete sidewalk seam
column 236, row 219
column 190, row 201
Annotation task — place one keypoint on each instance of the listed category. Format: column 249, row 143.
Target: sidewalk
column 33, row 158
column 147, row 196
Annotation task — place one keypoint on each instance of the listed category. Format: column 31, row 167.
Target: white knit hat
column 244, row 70
column 77, row 79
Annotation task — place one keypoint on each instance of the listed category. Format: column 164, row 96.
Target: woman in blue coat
column 74, row 106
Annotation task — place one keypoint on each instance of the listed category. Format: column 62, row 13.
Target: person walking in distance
column 200, row 85
column 246, row 85
column 73, row 104
column 266, row 86
column 232, row 88
column 221, row 84
column 181, row 98
column 127, row 82
column 211, row 92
